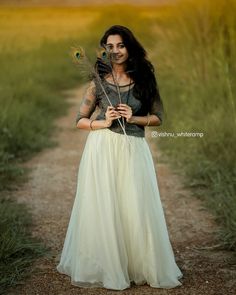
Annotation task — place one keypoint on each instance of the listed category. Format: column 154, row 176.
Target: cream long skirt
column 117, row 232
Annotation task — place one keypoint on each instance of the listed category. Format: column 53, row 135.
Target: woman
column 117, row 232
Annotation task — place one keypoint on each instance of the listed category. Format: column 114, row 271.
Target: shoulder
column 92, row 84
column 90, row 90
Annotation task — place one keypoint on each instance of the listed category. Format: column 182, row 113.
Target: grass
column 26, row 28
column 30, row 92
column 196, row 59
column 18, row 249
column 35, row 68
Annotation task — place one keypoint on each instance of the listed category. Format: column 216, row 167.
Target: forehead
column 114, row 39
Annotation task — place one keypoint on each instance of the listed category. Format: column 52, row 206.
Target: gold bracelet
column 90, row 125
column 148, row 120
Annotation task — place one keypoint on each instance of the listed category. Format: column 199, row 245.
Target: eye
column 121, row 45
column 109, row 47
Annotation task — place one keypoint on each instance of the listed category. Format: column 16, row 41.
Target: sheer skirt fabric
column 117, row 231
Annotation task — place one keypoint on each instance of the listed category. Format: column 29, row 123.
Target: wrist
column 107, row 123
column 131, row 120
column 90, row 124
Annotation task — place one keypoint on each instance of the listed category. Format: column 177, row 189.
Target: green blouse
column 95, row 100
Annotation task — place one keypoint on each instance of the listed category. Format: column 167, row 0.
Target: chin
column 120, row 62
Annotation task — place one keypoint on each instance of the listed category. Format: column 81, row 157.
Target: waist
column 130, row 129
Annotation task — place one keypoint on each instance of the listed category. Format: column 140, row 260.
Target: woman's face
column 116, row 46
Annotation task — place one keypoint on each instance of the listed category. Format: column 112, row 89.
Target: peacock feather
column 78, row 54
column 105, row 57
column 103, row 64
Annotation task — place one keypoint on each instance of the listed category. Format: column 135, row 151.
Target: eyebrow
column 117, row 43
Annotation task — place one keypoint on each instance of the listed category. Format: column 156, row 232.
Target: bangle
column 90, row 125
column 148, row 120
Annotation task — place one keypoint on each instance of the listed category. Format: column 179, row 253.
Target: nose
column 115, row 49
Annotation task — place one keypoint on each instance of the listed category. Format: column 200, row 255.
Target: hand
column 125, row 111
column 111, row 114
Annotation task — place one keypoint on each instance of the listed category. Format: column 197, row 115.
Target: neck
column 118, row 70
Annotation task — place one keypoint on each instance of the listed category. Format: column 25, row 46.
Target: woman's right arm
column 86, row 109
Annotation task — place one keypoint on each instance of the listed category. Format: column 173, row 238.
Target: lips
column 116, row 55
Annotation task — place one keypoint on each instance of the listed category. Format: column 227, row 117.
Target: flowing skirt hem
column 99, row 284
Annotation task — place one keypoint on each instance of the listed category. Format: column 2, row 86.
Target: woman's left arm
column 149, row 120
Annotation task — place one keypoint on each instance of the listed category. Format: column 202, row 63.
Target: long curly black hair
column 140, row 70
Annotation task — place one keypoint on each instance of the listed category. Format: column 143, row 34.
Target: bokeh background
column 193, row 47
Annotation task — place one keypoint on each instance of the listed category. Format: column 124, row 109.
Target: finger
column 115, row 112
column 124, row 112
column 122, row 104
column 124, row 108
column 114, row 116
column 110, row 108
column 111, row 112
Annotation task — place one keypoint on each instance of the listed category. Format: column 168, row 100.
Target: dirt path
column 50, row 192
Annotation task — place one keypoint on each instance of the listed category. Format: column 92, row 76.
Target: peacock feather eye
column 104, row 54
column 78, row 54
